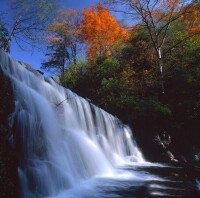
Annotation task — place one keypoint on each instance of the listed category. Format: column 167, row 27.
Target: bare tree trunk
column 74, row 53
column 63, row 66
column 160, row 65
column 12, row 35
column 75, row 61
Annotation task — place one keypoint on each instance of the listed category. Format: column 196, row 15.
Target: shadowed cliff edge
column 8, row 156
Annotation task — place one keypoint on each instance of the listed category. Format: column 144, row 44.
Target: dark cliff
column 8, row 156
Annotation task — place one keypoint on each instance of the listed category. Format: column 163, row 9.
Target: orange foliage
column 100, row 31
column 65, row 28
column 192, row 20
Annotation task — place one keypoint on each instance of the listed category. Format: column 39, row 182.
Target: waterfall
column 61, row 138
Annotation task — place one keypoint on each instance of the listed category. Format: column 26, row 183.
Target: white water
column 198, row 184
column 62, row 139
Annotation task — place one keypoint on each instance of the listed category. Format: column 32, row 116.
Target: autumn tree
column 28, row 20
column 100, row 31
column 157, row 17
column 191, row 20
column 63, row 41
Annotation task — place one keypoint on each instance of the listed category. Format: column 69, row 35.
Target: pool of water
column 140, row 181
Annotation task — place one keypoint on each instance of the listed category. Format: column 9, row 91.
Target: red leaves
column 100, row 31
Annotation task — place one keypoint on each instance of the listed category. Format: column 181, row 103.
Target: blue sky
column 35, row 57
column 78, row 4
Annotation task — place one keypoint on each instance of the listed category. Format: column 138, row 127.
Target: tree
column 100, row 31
column 63, row 39
column 191, row 20
column 157, row 17
column 28, row 20
column 139, row 56
column 3, row 35
column 74, row 76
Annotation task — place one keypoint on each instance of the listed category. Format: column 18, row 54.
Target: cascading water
column 62, row 139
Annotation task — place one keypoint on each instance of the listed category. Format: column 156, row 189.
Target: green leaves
column 108, row 68
column 75, row 73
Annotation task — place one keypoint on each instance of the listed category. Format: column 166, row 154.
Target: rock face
column 8, row 156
